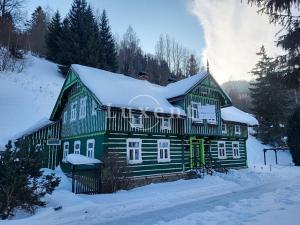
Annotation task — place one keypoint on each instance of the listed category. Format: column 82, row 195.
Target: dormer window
column 136, row 121
column 166, row 123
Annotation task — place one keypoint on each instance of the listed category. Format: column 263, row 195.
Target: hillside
column 28, row 96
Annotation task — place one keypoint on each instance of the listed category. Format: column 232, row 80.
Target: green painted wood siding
column 212, row 97
column 230, row 161
column 89, row 124
column 40, row 137
column 150, row 166
column 151, row 125
column 213, row 146
column 230, row 130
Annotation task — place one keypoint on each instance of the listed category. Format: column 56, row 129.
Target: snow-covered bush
column 22, row 183
column 11, row 60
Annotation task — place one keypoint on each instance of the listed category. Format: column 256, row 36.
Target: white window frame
column 65, row 117
column 163, row 150
column 236, row 150
column 88, row 149
column 133, row 150
column 222, row 156
column 82, row 107
column 76, row 151
column 133, row 121
column 66, row 151
column 235, row 129
column 73, row 111
column 163, row 120
column 194, row 111
column 225, row 130
column 94, row 108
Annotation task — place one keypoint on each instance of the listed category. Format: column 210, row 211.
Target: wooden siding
column 89, row 124
column 230, row 130
column 212, row 146
column 213, row 97
column 40, row 137
column 150, row 166
column 151, row 125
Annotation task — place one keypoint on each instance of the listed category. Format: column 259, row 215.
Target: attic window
column 136, row 121
column 166, row 123
column 73, row 111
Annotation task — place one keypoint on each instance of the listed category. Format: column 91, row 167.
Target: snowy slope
column 255, row 154
column 28, row 96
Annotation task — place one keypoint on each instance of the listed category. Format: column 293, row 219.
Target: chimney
column 143, row 76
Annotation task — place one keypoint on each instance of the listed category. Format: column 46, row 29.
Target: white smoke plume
column 233, row 33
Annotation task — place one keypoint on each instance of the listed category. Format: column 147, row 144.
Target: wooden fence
column 86, row 182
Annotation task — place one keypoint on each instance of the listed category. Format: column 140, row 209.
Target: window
column 163, row 153
column 90, row 146
column 65, row 118
column 195, row 115
column 82, row 108
column 201, row 113
column 136, row 121
column 235, row 150
column 224, row 128
column 73, row 111
column 94, row 108
column 166, row 123
column 77, row 147
column 237, row 129
column 221, row 150
column 134, row 151
column 66, row 151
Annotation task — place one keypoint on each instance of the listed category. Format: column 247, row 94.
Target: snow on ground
column 255, row 154
column 28, row 96
column 249, row 196
column 256, row 195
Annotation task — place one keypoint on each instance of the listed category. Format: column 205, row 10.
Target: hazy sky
column 227, row 32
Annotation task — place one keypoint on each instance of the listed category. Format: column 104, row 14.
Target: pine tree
column 37, row 31
column 286, row 13
column 293, row 134
column 53, row 37
column 192, row 65
column 79, row 42
column 22, row 183
column 269, row 99
column 108, row 51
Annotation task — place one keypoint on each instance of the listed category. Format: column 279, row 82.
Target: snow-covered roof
column 77, row 159
column 233, row 114
column 117, row 90
column 35, row 127
column 181, row 87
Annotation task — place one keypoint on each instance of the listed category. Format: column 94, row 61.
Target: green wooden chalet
column 157, row 130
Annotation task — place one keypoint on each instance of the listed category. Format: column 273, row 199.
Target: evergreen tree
column 286, row 13
column 37, row 31
column 293, row 134
column 22, row 183
column 192, row 65
column 269, row 99
column 79, row 42
column 108, row 51
column 53, row 37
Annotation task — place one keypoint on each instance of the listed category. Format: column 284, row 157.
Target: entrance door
column 196, row 152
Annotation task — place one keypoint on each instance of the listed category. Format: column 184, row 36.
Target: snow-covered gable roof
column 117, row 90
column 182, row 86
column 233, row 114
column 35, row 127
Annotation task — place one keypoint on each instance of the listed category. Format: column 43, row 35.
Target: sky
column 228, row 33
